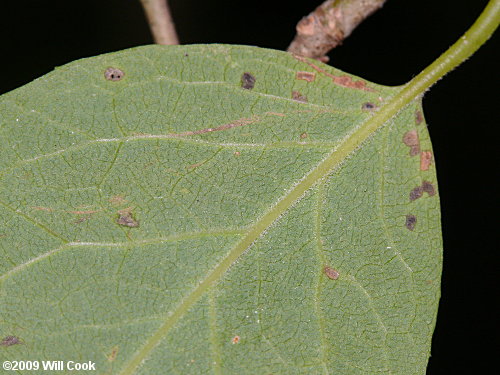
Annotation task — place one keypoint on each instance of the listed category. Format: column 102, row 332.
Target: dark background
column 390, row 48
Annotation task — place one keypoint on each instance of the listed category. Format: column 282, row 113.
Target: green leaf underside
column 238, row 199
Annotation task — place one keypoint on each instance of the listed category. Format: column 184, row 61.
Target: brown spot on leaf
column 418, row 117
column 428, row 188
column 331, row 273
column 411, row 221
column 416, row 193
column 126, row 218
column 247, row 81
column 235, row 340
column 414, row 150
column 237, row 153
column 299, row 97
column 368, row 107
column 113, row 74
column 237, row 123
column 344, row 81
column 10, row 340
column 410, row 139
column 347, row 81
column 113, row 354
column 305, row 76
column 303, row 135
column 425, row 160
column 193, row 166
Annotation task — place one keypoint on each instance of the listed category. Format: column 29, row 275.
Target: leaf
column 216, row 209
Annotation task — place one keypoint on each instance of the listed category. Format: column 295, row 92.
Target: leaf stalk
column 160, row 21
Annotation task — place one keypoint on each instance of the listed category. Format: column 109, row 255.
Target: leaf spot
column 428, row 188
column 193, row 166
column 411, row 140
column 235, row 340
column 113, row 74
column 247, row 81
column 416, row 193
column 411, row 221
column 425, row 160
column 10, row 340
column 368, row 106
column 237, row 153
column 331, row 273
column 299, row 97
column 303, row 135
column 113, row 354
column 419, row 117
column 344, row 81
column 126, row 218
column 305, row 76
column 240, row 122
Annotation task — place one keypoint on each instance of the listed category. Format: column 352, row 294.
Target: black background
column 389, row 48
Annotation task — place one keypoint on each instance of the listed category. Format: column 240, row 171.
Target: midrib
column 326, row 166
column 462, row 49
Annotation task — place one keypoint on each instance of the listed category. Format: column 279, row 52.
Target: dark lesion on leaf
column 425, row 160
column 367, row 107
column 411, row 221
column 126, row 218
column 235, row 340
column 10, row 340
column 428, row 188
column 419, row 117
column 299, row 97
column 113, row 354
column 345, row 81
column 411, row 140
column 305, row 76
column 331, row 273
column 113, row 74
column 247, row 81
column 418, row 191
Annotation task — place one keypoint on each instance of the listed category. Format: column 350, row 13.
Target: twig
column 329, row 25
column 160, row 21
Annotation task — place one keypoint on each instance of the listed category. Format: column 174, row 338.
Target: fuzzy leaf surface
column 216, row 210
